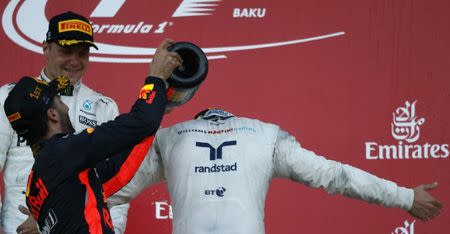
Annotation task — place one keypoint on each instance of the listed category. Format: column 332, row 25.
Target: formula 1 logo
column 123, row 29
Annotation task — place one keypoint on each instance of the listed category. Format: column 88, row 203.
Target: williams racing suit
column 87, row 108
column 221, row 168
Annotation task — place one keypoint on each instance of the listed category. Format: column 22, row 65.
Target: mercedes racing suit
column 222, row 168
column 87, row 108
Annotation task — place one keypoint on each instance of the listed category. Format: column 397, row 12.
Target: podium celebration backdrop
column 365, row 82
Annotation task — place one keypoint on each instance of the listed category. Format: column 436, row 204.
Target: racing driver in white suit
column 87, row 108
column 220, row 166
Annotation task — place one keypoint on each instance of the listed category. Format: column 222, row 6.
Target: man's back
column 218, row 172
column 218, row 169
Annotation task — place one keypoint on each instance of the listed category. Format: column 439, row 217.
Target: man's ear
column 46, row 48
column 53, row 115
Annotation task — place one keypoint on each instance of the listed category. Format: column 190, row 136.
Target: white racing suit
column 218, row 173
column 86, row 109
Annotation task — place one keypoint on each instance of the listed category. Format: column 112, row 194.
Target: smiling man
column 66, row 50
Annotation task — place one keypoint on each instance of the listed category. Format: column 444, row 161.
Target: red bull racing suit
column 74, row 174
column 87, row 108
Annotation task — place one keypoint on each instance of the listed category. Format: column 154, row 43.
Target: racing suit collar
column 214, row 114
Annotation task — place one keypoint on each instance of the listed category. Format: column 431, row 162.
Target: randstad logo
column 405, row 126
column 123, row 29
column 215, row 153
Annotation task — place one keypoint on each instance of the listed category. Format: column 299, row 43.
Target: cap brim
column 65, row 43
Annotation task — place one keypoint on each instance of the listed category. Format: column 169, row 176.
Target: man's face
column 70, row 61
column 63, row 112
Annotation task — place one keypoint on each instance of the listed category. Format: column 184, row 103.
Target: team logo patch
column 147, row 93
column 75, row 25
column 14, row 117
column 87, row 105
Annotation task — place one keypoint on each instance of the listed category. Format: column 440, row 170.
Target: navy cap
column 28, row 102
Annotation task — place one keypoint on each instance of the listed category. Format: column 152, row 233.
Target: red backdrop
column 348, row 78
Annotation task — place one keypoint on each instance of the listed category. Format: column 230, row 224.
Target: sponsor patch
column 87, row 105
column 220, row 192
column 87, row 121
column 74, row 25
column 216, row 168
column 50, row 221
column 147, row 93
column 219, row 131
column 14, row 117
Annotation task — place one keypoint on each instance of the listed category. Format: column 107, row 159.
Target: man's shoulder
column 184, row 124
column 254, row 122
column 181, row 126
column 255, row 126
column 5, row 89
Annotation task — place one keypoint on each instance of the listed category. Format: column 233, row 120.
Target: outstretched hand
column 164, row 62
column 29, row 226
column 425, row 207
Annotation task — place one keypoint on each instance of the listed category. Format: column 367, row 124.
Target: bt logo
column 218, row 192
column 213, row 152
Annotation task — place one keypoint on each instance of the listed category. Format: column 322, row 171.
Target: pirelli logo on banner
column 74, row 25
